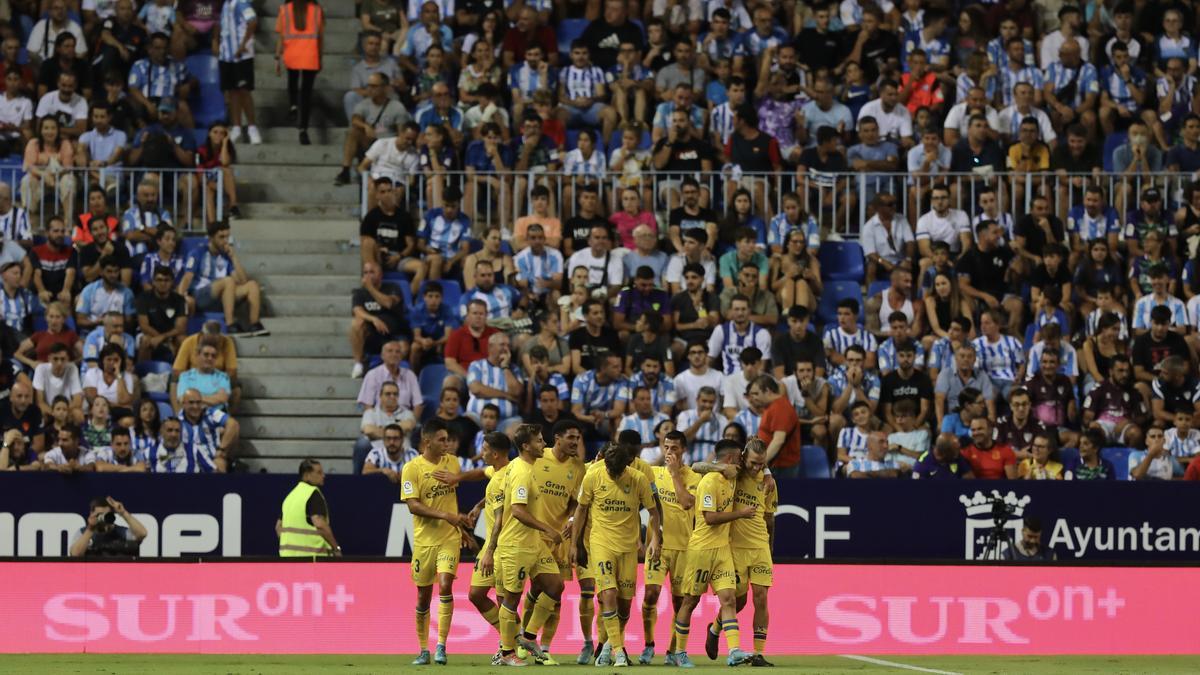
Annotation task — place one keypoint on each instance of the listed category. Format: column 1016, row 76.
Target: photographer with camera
column 103, row 537
column 1029, row 546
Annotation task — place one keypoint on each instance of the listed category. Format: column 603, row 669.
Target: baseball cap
column 166, row 104
column 1151, row 195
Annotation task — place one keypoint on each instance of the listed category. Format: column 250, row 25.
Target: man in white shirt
column 959, row 117
column 57, row 378
column 895, row 122
column 45, row 33
column 694, row 251
column 698, row 375
column 942, row 223
column 733, row 389
column 395, row 158
column 16, row 115
column 70, row 108
column 1070, row 20
column 1022, row 107
column 605, row 269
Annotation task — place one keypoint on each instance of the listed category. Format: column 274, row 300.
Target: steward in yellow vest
column 303, row 526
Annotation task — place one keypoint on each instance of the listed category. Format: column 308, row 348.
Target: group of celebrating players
column 549, row 515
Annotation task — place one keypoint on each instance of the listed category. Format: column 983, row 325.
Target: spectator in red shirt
column 1193, row 469
column 989, row 459
column 467, row 344
column 779, row 428
column 919, row 87
column 528, row 31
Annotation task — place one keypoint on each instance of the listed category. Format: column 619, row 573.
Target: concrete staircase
column 297, row 395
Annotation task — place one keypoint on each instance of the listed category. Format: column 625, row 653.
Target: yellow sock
column 423, row 629
column 445, row 615
column 509, row 624
column 616, row 640
column 492, row 616
column 541, row 612
column 679, row 637
column 649, row 618
column 760, row 640
column 550, row 628
column 732, row 635
column 587, row 613
column 601, row 632
column 530, row 600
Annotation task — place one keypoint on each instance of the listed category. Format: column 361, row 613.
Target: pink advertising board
column 278, row 608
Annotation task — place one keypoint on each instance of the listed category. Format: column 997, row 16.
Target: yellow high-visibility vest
column 298, row 537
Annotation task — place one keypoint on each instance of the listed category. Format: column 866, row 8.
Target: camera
column 1001, row 511
column 108, row 518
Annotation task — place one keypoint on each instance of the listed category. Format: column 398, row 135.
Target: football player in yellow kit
column 610, row 499
column 710, row 558
column 438, row 533
column 521, row 552
column 676, row 485
column 495, row 454
column 753, row 539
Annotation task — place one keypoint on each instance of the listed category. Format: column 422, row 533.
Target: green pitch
column 138, row 664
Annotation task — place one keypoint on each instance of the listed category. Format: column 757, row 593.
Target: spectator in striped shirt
column 846, row 333
column 876, row 463
column 158, row 76
column 390, row 456
column 501, row 299
column 539, row 268
column 1159, row 296
column 214, row 277
column 1001, row 356
column 595, row 396
column 852, row 441
column 140, row 222
column 703, row 426
column 583, row 93
column 18, row 302
column 533, row 75
column 493, row 380
column 644, row 419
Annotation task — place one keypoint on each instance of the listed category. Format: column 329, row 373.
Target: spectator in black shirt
column 378, row 316
column 605, row 35
column 548, row 410
column 976, row 151
column 388, row 237
column 906, row 383
column 797, row 343
column 578, row 227
column 819, row 48
column 64, row 61
column 130, row 39
column 874, row 49
column 594, row 339
column 1077, row 158
column 1154, row 346
column 682, row 153
column 1037, row 230
column 1052, row 271
column 103, row 246
column 162, row 318
column 985, row 273
column 755, row 153
column 690, row 215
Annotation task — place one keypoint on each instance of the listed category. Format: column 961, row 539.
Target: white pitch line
column 893, row 664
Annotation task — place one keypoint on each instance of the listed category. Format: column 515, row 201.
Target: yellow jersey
column 638, row 464
column 752, row 532
column 493, row 495
column 557, row 484
column 677, row 522
column 615, row 505
column 713, row 494
column 417, row 482
column 519, row 489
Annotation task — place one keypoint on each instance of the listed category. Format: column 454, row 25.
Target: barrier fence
column 234, row 515
column 841, row 202
column 195, row 196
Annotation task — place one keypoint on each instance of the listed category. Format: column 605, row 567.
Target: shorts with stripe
column 708, row 567
column 430, row 561
column 670, row 561
column 518, row 565
column 615, row 570
column 752, row 566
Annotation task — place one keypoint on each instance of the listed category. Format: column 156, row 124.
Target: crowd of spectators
column 630, row 231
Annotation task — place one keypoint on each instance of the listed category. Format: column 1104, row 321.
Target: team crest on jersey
column 708, row 501
column 626, row 488
column 570, row 475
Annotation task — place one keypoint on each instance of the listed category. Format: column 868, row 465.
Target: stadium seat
column 568, row 31
column 430, row 379
column 401, row 280
column 1111, row 143
column 451, row 292
column 154, row 367
column 196, row 321
column 165, row 410
column 207, row 102
column 1029, row 331
column 835, row 292
column 814, row 462
column 615, row 141
column 1120, row 459
column 1068, row 456
column 189, row 244
column 877, row 287
column 842, row 261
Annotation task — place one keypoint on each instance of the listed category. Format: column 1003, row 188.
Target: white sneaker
column 255, row 137
column 357, row 371
column 235, row 133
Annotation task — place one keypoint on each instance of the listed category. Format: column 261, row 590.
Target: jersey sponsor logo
column 708, row 501
column 407, row 487
column 522, row 493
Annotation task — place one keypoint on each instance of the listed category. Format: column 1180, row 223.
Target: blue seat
column 189, row 244
column 430, row 379
column 1120, row 459
column 207, row 102
column 814, row 462
column 1111, row 143
column 145, row 368
column 568, row 31
column 451, row 292
column 1029, row 332
column 164, row 409
column 401, row 280
column 196, row 321
column 842, row 261
column 644, row 144
column 1068, row 456
column 876, row 287
column 835, row 292
column 374, row 360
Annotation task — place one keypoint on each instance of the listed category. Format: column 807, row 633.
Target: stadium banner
column 364, row 607
column 234, row 515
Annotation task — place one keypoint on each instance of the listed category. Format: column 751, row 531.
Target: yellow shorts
column 708, row 567
column 562, row 556
column 752, row 566
column 669, row 561
column 430, row 561
column 584, row 572
column 614, row 569
column 516, row 566
column 478, row 578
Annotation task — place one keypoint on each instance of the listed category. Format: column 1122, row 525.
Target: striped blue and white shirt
column 1184, row 93
column 1001, row 360
column 866, row 464
column 483, row 372
column 886, row 356
column 1182, row 446
column 527, row 80
column 136, row 218
column 854, row 440
column 937, row 49
column 1174, row 48
column 156, row 81
column 1089, row 227
column 1093, row 323
column 18, row 308
column 727, row 343
column 444, row 234
column 643, row 425
column 749, row 421
column 1087, row 80
column 837, row 340
column 575, row 164
column 661, row 394
column 532, row 267
column 14, row 225
column 95, row 300
column 751, row 43
column 593, row 395
column 721, row 121
column 1009, row 79
column 161, row 459
column 780, row 227
column 1118, row 91
column 559, row 383
column 941, row 356
column 1146, row 303
column 236, row 15
column 1068, row 360
column 143, row 447
column 501, row 300
column 871, row 384
column 640, row 73
column 379, row 457
column 152, row 262
column 207, row 267
column 581, row 82
column 998, row 54
column 704, row 443
column 201, row 440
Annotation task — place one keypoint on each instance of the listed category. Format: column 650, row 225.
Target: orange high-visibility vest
column 301, row 48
